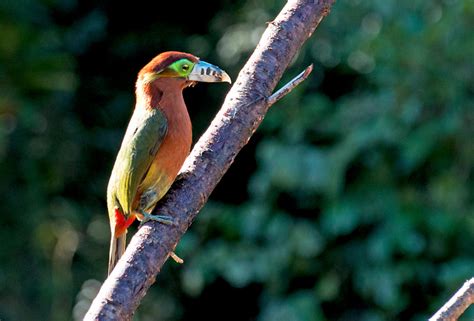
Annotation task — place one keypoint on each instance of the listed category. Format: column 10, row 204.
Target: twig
column 459, row 302
column 283, row 91
column 242, row 112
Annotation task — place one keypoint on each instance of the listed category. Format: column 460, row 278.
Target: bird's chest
column 174, row 150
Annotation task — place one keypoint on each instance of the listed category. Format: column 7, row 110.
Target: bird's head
column 183, row 66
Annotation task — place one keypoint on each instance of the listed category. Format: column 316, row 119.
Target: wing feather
column 144, row 135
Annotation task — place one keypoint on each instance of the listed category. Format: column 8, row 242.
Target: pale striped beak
column 206, row 72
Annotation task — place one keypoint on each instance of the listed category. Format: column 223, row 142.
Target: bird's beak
column 206, row 72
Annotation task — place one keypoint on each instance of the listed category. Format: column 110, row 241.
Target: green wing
column 144, row 135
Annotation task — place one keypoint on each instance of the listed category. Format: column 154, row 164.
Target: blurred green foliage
column 353, row 201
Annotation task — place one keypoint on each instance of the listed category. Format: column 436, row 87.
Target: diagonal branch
column 458, row 303
column 242, row 112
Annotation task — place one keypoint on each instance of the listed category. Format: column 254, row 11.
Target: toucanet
column 156, row 143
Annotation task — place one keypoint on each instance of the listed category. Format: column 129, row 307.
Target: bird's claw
column 163, row 219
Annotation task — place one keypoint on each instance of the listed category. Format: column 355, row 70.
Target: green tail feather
column 117, row 248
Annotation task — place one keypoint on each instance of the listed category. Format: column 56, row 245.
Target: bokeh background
column 353, row 201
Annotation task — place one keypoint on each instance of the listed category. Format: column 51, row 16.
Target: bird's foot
column 163, row 219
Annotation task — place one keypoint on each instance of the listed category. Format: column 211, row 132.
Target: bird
column 156, row 143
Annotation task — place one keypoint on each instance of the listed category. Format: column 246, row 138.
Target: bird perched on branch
column 156, row 143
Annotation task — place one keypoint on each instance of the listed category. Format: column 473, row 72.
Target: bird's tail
column 117, row 248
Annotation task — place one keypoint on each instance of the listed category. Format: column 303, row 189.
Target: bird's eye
column 185, row 67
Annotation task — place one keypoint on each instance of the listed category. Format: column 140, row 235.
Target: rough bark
column 242, row 112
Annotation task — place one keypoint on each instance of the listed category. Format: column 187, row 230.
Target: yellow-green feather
column 144, row 135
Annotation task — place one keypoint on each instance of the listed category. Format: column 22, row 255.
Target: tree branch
column 459, row 302
column 285, row 90
column 242, row 112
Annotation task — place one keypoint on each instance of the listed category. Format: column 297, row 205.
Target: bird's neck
column 167, row 95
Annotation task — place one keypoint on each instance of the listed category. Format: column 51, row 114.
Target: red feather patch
column 121, row 222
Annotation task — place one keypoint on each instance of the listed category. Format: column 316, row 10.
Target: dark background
column 353, row 201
